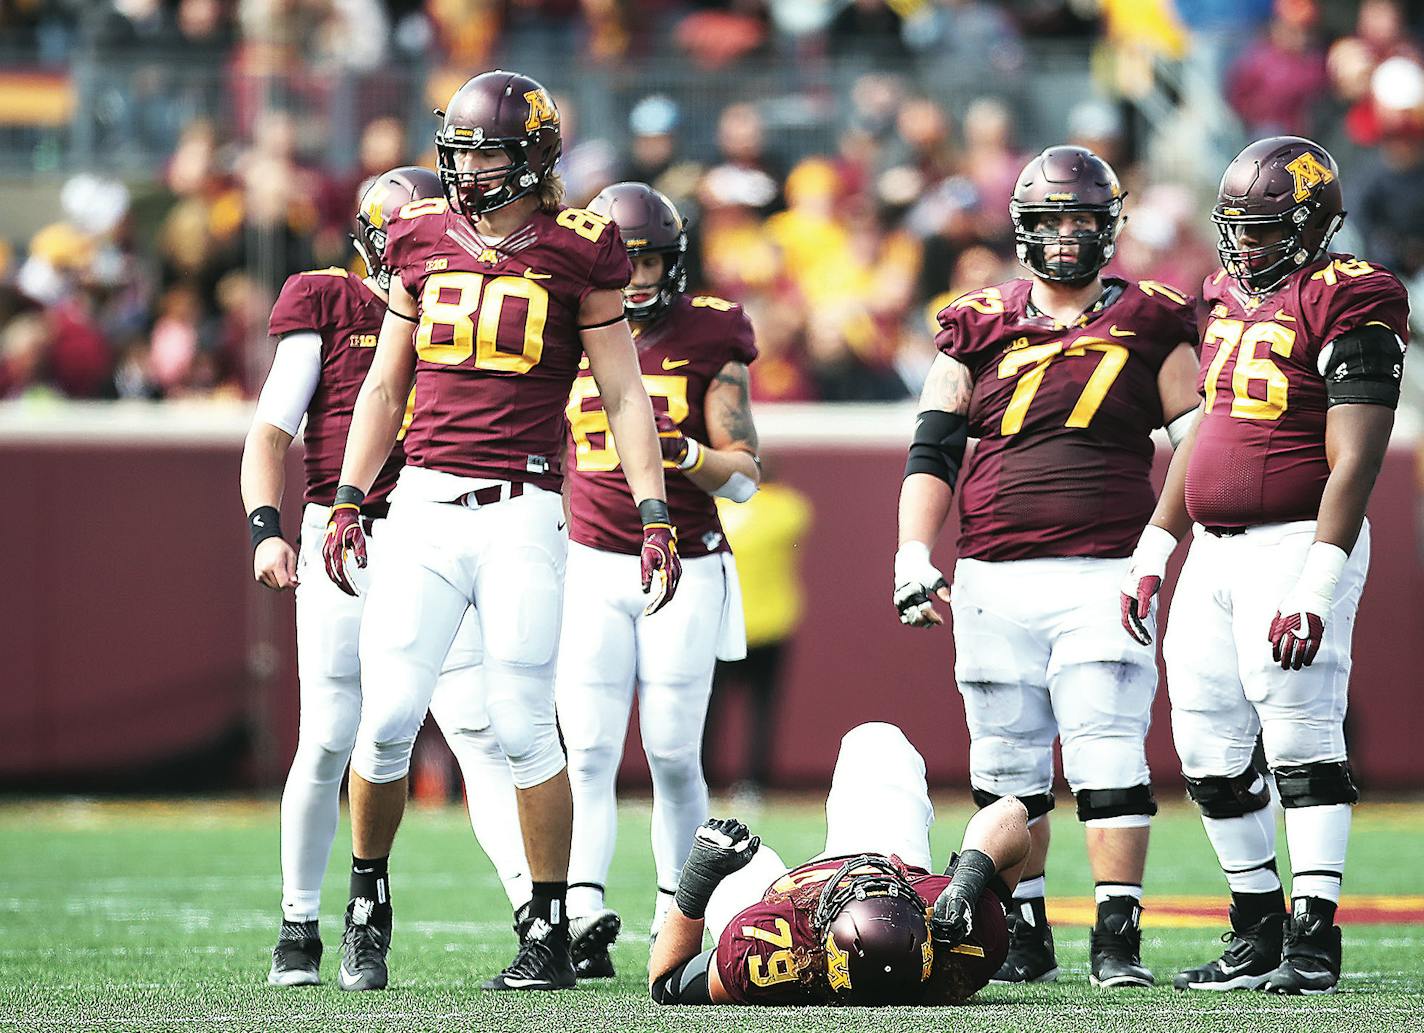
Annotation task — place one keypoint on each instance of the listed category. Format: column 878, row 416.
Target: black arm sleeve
column 1364, row 365
column 938, row 445
column 686, row 984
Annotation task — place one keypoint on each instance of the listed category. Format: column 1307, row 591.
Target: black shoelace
column 365, row 943
column 534, row 957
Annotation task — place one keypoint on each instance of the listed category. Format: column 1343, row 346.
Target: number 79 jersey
column 1063, row 416
column 1259, row 456
column 497, row 342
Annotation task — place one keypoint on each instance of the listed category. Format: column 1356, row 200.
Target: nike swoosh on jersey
column 1283, row 317
column 1115, row 332
column 675, row 363
column 530, row 274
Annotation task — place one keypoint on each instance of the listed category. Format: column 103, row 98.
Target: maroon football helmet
column 504, row 112
column 650, row 225
column 1067, row 179
column 876, row 934
column 1285, row 184
column 382, row 197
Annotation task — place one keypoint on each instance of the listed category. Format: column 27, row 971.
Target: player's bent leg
column 879, row 801
column 677, row 654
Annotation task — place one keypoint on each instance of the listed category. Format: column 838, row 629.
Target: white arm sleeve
column 291, row 384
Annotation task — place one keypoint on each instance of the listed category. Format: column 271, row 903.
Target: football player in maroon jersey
column 326, row 322
column 694, row 353
column 1062, row 377
column 1301, row 360
column 497, row 291
column 864, row 923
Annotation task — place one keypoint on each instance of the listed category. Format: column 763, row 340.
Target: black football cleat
column 589, row 940
column 296, row 960
column 1310, row 960
column 1251, row 955
column 543, row 962
column 1115, row 945
column 364, row 946
column 1030, row 958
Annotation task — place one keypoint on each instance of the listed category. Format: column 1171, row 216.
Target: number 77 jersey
column 497, row 340
column 1260, row 449
column 1063, row 416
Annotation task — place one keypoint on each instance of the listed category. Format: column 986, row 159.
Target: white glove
column 917, row 583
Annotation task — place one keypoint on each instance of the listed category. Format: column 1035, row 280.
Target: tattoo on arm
column 730, row 406
column 947, row 387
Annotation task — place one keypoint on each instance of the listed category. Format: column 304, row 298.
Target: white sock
column 661, row 907
column 494, row 809
column 1030, row 889
column 1246, row 849
column 591, row 777
column 1104, row 890
column 311, row 807
column 1317, row 837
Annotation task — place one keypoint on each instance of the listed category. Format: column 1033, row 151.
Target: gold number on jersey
column 988, row 301
column 588, row 225
column 480, row 340
column 1154, row 289
column 590, row 426
column 425, row 206
column 1351, row 267
column 1039, row 357
column 1228, row 334
column 712, row 302
column 778, row 966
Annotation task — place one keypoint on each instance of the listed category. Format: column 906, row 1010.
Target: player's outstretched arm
column 288, row 391
column 931, row 472
column 726, row 465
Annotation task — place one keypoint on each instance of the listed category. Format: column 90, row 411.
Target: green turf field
column 147, row 916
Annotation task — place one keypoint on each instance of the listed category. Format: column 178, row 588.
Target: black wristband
column 349, row 495
column 654, row 511
column 262, row 523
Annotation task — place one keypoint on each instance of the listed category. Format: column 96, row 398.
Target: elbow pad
column 739, row 487
column 1364, row 365
column 686, row 984
column 938, row 445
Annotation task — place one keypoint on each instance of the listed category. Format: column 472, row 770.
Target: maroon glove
column 343, row 535
column 677, row 448
column 659, row 554
column 1295, row 638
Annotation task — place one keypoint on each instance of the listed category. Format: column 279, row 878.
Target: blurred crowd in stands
column 158, row 286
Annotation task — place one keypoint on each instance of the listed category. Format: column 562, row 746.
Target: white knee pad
column 1104, row 762
column 390, row 722
column 530, row 741
column 1303, row 739
column 1011, row 766
column 330, row 727
column 675, row 767
column 1209, row 747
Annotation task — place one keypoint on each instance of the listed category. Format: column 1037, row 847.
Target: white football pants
column 607, row 645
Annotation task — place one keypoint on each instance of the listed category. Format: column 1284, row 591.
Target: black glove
column 720, row 847
column 953, row 920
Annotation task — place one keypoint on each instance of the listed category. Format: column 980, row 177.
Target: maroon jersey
column 769, row 953
column 681, row 353
column 1260, row 449
column 347, row 315
column 1064, row 417
column 497, row 344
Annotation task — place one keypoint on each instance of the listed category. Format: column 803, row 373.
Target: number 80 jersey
column 1260, row 449
column 497, row 342
column 1063, row 416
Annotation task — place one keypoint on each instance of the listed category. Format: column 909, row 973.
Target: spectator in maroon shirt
column 1274, row 83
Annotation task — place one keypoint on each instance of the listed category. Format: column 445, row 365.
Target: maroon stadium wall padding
column 131, row 633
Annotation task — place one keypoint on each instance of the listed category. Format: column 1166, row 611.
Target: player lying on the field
column 864, row 923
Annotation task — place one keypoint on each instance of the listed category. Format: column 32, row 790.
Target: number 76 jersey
column 1063, row 416
column 497, row 342
column 1260, row 449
